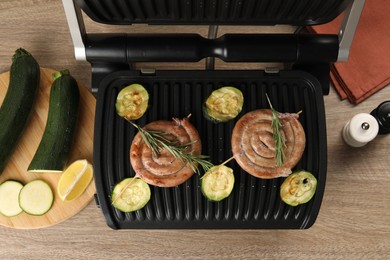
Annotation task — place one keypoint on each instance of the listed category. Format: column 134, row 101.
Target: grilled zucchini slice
column 217, row 183
column 223, row 104
column 298, row 188
column 132, row 102
column 131, row 194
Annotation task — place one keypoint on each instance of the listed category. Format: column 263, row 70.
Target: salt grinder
column 382, row 115
column 360, row 130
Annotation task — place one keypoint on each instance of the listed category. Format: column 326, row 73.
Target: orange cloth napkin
column 368, row 66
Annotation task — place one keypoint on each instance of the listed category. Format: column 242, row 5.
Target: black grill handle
column 130, row 48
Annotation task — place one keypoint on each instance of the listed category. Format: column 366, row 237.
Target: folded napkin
column 368, row 67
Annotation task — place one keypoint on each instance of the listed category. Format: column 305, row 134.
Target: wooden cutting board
column 82, row 148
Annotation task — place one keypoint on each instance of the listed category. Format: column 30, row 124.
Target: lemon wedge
column 74, row 180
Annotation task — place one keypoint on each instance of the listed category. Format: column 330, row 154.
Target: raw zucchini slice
column 223, row 104
column 36, row 198
column 9, row 198
column 217, row 183
column 298, row 188
column 132, row 102
column 131, row 194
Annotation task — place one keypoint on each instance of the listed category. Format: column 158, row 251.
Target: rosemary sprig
column 276, row 125
column 156, row 141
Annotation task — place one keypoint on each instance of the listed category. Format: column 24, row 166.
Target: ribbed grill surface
column 254, row 203
column 297, row 12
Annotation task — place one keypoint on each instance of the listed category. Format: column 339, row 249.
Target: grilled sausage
column 165, row 170
column 253, row 144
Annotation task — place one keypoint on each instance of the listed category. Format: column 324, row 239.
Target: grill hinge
column 272, row 70
column 148, row 71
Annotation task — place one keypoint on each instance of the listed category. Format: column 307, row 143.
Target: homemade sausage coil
column 253, row 144
column 165, row 170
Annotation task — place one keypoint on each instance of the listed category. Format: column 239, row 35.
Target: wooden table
column 354, row 221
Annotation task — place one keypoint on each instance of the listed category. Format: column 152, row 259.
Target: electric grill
column 254, row 203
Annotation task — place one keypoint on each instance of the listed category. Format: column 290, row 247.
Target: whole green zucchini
column 53, row 150
column 18, row 102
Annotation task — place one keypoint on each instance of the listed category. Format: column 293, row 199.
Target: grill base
column 254, row 203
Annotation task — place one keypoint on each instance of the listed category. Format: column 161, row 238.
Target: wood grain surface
column 16, row 168
column 353, row 222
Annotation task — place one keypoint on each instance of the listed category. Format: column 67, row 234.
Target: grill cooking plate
column 254, row 203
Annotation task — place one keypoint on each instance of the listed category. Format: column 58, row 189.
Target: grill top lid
column 213, row 12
